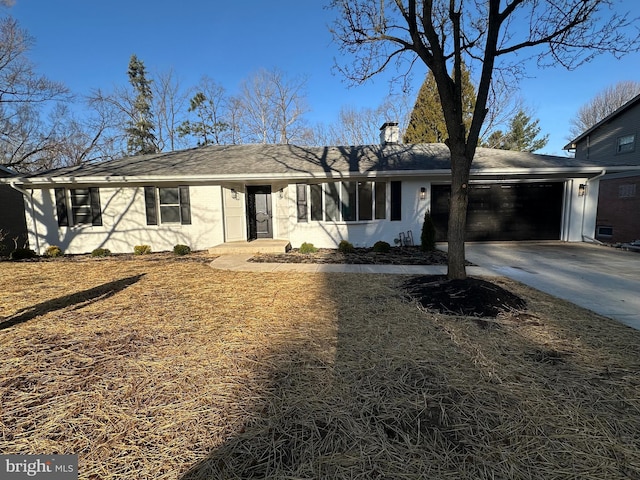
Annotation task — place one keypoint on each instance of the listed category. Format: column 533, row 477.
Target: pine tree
column 207, row 129
column 426, row 124
column 141, row 139
column 521, row 135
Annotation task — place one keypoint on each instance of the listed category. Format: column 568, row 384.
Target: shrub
column 345, row 247
column 381, row 247
column 181, row 249
column 101, row 252
column 307, row 248
column 22, row 254
column 141, row 250
column 53, row 251
column 428, row 237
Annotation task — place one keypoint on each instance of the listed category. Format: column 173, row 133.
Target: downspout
column 584, row 206
column 29, row 195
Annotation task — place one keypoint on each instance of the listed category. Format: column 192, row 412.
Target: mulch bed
column 472, row 297
column 361, row 256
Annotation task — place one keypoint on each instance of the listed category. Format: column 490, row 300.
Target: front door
column 259, row 219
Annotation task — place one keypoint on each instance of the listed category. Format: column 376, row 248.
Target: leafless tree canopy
column 602, row 105
column 273, row 107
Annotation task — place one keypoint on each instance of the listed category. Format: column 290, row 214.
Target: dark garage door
column 519, row 211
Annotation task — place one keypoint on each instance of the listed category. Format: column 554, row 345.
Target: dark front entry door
column 259, row 218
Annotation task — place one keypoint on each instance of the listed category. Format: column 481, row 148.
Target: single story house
column 614, row 141
column 210, row 195
column 12, row 219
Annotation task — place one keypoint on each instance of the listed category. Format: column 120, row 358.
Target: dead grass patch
column 167, row 369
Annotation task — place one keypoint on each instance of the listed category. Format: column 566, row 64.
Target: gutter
column 14, row 184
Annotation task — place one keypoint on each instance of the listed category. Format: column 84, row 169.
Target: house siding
column 601, row 144
column 124, row 223
column 620, row 213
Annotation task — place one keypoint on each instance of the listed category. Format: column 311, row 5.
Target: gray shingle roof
column 226, row 161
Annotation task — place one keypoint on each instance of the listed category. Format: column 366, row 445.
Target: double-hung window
column 626, row 143
column 350, row 201
column 78, row 206
column 166, row 205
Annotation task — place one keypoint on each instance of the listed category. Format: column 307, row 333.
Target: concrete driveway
column 603, row 279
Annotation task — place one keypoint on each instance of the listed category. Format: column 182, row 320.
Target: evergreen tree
column 208, row 127
column 428, row 235
column 141, row 139
column 426, row 124
column 521, row 135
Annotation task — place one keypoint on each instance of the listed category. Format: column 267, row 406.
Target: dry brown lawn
column 159, row 368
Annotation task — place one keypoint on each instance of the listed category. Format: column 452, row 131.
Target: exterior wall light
column 234, row 194
column 582, row 188
column 423, row 193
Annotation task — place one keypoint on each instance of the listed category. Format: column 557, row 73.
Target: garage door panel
column 526, row 211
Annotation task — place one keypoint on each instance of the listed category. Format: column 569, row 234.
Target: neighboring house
column 12, row 220
column 206, row 196
column 614, row 141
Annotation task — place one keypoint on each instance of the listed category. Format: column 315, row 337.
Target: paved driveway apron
column 602, row 279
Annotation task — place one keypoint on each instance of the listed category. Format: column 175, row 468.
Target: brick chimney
column 389, row 133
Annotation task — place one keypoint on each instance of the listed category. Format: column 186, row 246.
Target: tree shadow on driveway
column 78, row 299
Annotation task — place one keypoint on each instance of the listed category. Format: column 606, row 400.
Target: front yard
column 168, row 369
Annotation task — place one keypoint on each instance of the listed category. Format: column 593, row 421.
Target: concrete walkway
column 601, row 279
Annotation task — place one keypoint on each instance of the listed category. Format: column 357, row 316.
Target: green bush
column 345, row 247
column 141, row 250
column 53, row 251
column 101, row 252
column 428, row 237
column 381, row 247
column 307, row 248
column 22, row 254
column 181, row 249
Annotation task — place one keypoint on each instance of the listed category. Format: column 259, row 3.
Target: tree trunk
column 460, row 167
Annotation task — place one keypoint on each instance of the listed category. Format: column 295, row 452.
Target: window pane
column 301, row 199
column 381, row 200
column 365, row 200
column 82, row 215
column 170, row 213
column 348, row 201
column 169, row 196
column 81, row 206
column 80, row 196
column 332, row 200
column 316, row 202
column 626, row 143
column 396, row 201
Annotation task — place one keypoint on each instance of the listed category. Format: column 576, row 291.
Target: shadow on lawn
column 409, row 395
column 79, row 299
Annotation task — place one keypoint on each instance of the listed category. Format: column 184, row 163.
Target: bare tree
column 361, row 126
column 170, row 103
column 24, row 94
column 273, row 107
column 602, row 105
column 443, row 34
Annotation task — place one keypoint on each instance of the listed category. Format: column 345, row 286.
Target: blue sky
column 86, row 44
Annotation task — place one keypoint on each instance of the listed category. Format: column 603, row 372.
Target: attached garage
column 504, row 211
